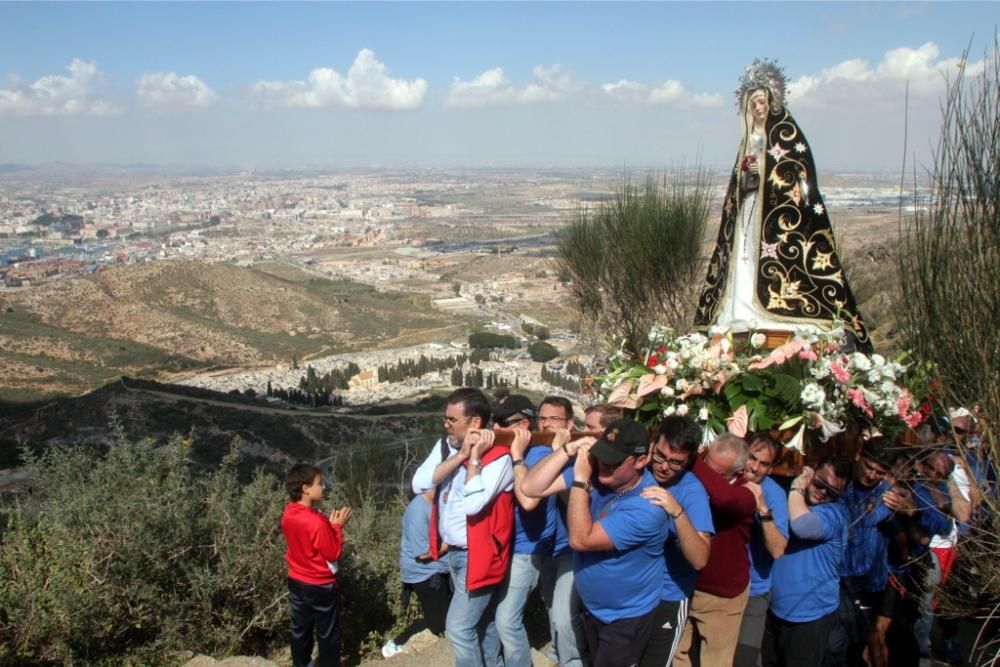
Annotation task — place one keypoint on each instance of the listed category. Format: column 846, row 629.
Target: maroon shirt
column 727, row 573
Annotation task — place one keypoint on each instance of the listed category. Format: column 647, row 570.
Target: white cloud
column 493, row 88
column 55, row 94
column 668, row 93
column 171, row 90
column 366, row 86
column 922, row 68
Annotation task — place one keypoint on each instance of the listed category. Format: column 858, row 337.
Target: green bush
column 485, row 339
column 542, row 351
column 129, row 556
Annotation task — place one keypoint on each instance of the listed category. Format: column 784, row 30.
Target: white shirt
column 951, row 539
column 458, row 500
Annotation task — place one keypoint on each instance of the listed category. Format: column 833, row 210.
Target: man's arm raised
column 545, row 477
column 584, row 533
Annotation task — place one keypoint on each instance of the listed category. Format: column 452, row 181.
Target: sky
column 313, row 85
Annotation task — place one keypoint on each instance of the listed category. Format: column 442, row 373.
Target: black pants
column 788, row 644
column 434, row 595
column 849, row 637
column 619, row 643
column 752, row 631
column 669, row 618
column 314, row 608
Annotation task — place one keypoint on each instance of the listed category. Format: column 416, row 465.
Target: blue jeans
column 565, row 611
column 471, row 630
column 521, row 579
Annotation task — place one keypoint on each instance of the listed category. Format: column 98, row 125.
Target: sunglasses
column 831, row 492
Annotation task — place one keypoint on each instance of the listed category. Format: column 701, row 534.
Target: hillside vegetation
column 71, row 336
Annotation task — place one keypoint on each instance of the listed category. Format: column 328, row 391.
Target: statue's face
column 757, row 105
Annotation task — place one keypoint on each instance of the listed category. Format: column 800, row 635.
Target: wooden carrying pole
column 506, row 436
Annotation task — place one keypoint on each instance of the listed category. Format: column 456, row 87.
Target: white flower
column 718, row 330
column 758, row 339
column 860, row 362
column 828, row 428
column 669, row 411
column 683, row 385
column 659, row 369
column 821, row 369
column 667, row 391
column 682, row 409
column 703, row 415
column 672, row 362
column 813, row 395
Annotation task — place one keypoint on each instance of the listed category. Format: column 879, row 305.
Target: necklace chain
column 629, row 489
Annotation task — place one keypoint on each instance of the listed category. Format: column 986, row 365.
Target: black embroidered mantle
column 799, row 276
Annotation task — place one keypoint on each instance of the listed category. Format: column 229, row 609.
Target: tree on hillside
column 636, row 258
column 542, row 351
column 949, row 270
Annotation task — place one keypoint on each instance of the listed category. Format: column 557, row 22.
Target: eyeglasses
column 452, row 421
column 962, row 431
column 831, row 492
column 505, row 423
column 675, row 464
column 553, row 419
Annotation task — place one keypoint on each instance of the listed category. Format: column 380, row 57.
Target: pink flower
column 913, row 420
column 903, row 404
column 858, row 401
column 839, row 372
column 808, row 355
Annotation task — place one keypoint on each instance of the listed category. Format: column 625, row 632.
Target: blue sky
column 342, row 84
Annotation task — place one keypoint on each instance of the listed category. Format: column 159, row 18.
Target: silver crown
column 763, row 73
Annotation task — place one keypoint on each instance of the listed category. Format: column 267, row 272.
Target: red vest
column 490, row 533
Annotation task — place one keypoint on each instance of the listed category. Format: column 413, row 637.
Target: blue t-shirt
column 760, row 560
column 534, row 531
column 416, row 542
column 867, row 540
column 805, row 582
column 623, row 582
column 679, row 577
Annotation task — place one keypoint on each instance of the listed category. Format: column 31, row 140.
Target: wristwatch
column 765, row 516
column 517, row 462
column 586, row 486
column 478, row 464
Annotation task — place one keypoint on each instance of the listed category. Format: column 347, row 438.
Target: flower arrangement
column 807, row 383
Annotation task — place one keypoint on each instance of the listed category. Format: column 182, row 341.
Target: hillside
column 270, row 435
column 68, row 337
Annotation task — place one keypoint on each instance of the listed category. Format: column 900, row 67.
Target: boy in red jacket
column 315, row 543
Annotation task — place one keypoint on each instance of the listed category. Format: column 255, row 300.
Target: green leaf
column 787, row 389
column 790, row 423
column 751, row 383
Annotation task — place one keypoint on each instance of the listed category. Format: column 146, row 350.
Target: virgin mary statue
column 775, row 264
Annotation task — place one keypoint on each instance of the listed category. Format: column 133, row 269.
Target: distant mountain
column 174, row 316
column 9, row 168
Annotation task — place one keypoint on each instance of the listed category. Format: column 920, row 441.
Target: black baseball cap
column 621, row 439
column 514, row 404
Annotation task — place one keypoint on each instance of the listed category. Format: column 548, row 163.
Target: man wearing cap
column 616, row 535
column 534, row 526
column 473, row 514
column 723, row 585
column 682, row 496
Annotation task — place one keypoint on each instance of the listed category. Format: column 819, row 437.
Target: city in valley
column 241, row 280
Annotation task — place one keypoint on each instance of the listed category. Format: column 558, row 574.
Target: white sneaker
column 390, row 649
